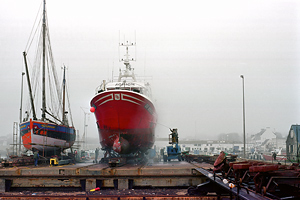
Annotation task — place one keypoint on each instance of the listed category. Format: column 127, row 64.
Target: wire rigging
column 54, row 89
column 38, row 14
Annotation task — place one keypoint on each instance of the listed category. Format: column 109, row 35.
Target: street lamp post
column 242, row 76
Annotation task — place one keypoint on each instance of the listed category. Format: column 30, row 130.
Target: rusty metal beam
column 97, row 176
column 240, row 193
column 106, row 182
column 105, row 197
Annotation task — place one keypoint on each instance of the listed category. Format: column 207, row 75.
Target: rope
column 54, row 91
column 163, row 125
column 27, row 47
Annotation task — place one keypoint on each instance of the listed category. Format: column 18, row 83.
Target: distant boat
column 270, row 157
column 50, row 134
column 125, row 114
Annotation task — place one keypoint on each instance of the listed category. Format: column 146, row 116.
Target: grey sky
column 195, row 52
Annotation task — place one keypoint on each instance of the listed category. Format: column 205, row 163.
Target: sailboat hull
column 46, row 137
column 126, row 121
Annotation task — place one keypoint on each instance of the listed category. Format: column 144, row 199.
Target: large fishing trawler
column 125, row 115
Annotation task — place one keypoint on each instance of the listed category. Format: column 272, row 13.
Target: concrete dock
column 88, row 176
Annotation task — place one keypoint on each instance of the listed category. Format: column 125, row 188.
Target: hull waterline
column 46, row 137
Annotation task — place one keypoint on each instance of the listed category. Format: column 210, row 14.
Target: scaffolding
column 15, row 139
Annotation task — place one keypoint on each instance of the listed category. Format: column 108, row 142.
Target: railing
column 136, row 87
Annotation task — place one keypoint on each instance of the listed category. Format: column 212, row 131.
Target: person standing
column 76, row 155
column 274, row 155
column 36, row 157
column 96, row 154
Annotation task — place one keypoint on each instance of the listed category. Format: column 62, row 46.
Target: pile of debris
column 17, row 161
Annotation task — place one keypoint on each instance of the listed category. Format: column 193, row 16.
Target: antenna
column 135, row 44
column 112, row 74
column 119, row 46
column 127, row 43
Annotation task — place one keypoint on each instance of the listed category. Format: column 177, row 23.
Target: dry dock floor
column 87, row 176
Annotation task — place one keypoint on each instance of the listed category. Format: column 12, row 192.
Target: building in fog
column 292, row 143
column 203, row 147
column 267, row 140
column 263, row 136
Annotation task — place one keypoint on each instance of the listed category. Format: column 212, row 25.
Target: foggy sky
column 195, row 52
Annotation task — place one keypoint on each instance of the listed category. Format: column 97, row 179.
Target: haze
column 194, row 52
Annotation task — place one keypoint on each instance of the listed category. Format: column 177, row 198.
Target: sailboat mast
column 29, row 87
column 64, row 94
column 44, row 67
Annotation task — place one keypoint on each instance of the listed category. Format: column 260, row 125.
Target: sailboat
column 50, row 134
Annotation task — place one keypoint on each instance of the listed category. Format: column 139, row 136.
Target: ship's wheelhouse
column 129, row 86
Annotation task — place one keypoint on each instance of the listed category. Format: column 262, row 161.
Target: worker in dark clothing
column 36, row 157
column 76, row 155
column 174, row 135
column 274, row 155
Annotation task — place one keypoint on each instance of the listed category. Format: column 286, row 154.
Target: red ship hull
column 126, row 121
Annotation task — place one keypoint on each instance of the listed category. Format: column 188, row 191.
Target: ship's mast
column 64, row 94
column 129, row 72
column 44, row 67
column 29, row 87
